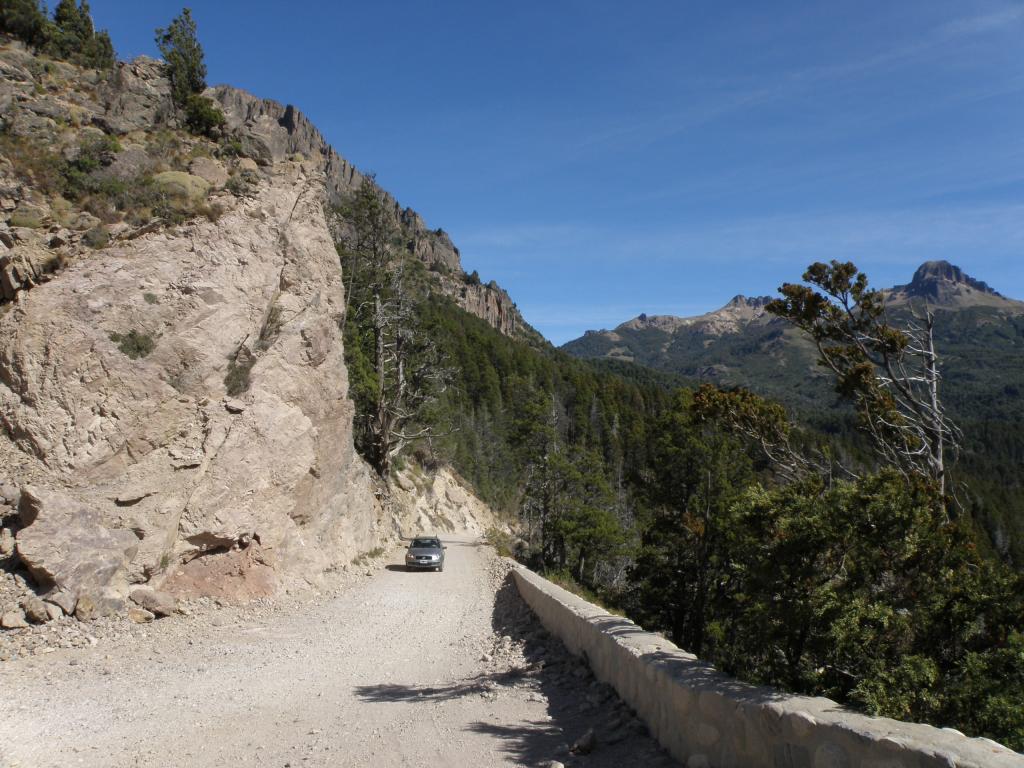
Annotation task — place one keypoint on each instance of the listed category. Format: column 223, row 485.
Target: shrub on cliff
column 133, row 343
column 202, row 116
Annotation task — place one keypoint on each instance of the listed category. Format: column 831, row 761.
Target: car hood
column 423, row 551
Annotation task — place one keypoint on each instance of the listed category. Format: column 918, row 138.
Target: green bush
column 133, row 343
column 238, row 378
column 241, row 183
column 94, row 152
column 271, row 327
column 232, row 147
column 202, row 116
column 501, row 541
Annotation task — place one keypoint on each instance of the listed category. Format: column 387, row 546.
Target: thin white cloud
column 903, row 235
column 739, row 97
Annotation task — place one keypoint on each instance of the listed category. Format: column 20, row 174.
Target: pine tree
column 180, row 48
column 23, row 19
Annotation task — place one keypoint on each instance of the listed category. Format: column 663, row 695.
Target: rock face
column 440, row 503
column 139, row 468
column 135, row 97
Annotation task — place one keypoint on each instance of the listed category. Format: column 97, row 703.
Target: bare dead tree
column 890, row 374
column 408, row 370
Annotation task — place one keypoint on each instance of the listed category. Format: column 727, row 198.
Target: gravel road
column 396, row 669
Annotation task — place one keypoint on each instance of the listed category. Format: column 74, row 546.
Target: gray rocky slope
column 121, row 470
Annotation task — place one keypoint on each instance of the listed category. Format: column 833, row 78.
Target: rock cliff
column 142, row 461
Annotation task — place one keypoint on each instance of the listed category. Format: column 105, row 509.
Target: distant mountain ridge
column 743, row 344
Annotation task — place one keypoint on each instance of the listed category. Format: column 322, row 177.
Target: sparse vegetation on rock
column 134, row 344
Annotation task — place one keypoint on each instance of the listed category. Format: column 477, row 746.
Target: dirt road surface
column 398, row 669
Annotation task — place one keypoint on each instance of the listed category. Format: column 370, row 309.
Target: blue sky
column 600, row 159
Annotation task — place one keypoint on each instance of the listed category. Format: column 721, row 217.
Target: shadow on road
column 535, row 666
column 479, row 685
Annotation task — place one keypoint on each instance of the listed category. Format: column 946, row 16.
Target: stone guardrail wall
column 706, row 719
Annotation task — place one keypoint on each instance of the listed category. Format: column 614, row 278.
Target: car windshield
column 421, row 543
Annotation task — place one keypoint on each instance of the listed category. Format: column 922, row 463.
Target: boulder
column 11, row 494
column 247, row 164
column 84, row 221
column 155, row 601
column 95, row 606
column 231, row 405
column 209, row 170
column 131, row 162
column 53, row 611
column 29, row 215
column 585, row 744
column 13, row 620
column 183, row 184
column 23, row 267
column 62, row 600
column 35, row 610
column 65, row 545
column 140, row 615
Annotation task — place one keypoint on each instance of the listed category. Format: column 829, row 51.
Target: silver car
column 425, row 552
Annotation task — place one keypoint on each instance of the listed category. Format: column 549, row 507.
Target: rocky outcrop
column 23, row 267
column 439, row 503
column 135, row 97
column 114, row 380
column 941, row 285
column 739, row 312
column 173, row 398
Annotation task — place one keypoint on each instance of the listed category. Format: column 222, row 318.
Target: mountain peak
column 751, row 302
column 942, row 282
